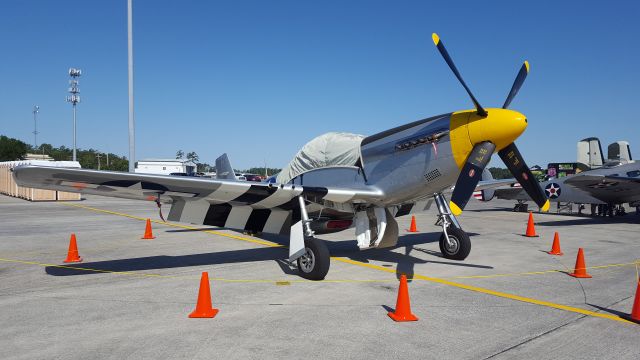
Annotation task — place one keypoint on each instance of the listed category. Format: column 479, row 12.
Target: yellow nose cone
column 500, row 126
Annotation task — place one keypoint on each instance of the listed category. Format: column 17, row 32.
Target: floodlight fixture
column 75, row 72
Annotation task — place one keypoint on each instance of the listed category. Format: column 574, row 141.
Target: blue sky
column 258, row 79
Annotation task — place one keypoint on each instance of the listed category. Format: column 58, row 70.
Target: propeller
column 511, row 156
column 516, row 165
column 443, row 51
column 470, row 175
column 480, row 155
column 522, row 74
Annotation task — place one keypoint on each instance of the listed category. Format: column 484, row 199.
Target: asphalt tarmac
column 130, row 298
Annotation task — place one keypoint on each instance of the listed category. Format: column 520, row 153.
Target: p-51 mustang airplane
column 340, row 177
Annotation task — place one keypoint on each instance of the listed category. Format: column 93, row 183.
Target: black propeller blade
column 470, row 175
column 512, row 158
column 443, row 51
column 522, row 74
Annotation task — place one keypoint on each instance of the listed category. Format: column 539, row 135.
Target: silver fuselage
column 402, row 175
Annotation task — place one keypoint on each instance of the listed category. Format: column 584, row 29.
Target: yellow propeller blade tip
column 436, row 38
column 455, row 209
column 546, row 206
column 526, row 64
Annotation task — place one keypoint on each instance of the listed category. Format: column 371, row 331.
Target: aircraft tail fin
column 224, row 170
column 590, row 153
column 619, row 151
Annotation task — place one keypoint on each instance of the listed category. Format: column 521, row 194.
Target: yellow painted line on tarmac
column 139, row 274
column 635, row 263
column 255, row 241
column 492, row 292
column 415, row 276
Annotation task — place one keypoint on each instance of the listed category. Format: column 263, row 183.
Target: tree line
column 13, row 149
column 205, row 167
column 500, row 173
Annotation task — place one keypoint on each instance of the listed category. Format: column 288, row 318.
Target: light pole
column 36, row 109
column 74, row 99
column 98, row 156
column 132, row 139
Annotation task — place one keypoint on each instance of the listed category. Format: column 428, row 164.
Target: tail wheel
column 459, row 246
column 314, row 264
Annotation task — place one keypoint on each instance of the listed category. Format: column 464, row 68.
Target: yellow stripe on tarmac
column 139, row 274
column 255, row 241
column 88, row 269
column 492, row 292
column 635, row 263
column 381, row 268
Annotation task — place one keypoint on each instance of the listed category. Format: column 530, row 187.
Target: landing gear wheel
column 460, row 246
column 314, row 264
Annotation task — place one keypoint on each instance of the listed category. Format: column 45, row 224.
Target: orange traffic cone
column 203, row 307
column 413, row 227
column 580, row 270
column 531, row 230
column 555, row 248
column 635, row 312
column 72, row 254
column 148, row 233
column 403, row 304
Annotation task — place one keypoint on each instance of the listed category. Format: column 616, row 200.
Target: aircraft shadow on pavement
column 167, row 261
column 404, row 262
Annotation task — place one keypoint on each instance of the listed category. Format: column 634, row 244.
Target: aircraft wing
column 490, row 184
column 233, row 204
column 512, row 193
column 610, row 189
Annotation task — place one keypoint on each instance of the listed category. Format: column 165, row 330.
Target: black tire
column 314, row 264
column 461, row 244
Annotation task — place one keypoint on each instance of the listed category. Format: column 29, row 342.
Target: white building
column 165, row 166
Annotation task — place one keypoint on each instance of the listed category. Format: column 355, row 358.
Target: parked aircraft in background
column 590, row 154
column 612, row 182
column 338, row 177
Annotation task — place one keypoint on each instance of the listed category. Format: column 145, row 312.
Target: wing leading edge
column 607, row 188
column 226, row 203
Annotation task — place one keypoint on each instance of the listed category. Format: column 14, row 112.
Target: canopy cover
column 330, row 149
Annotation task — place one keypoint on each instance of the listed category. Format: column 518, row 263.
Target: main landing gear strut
column 311, row 254
column 454, row 242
